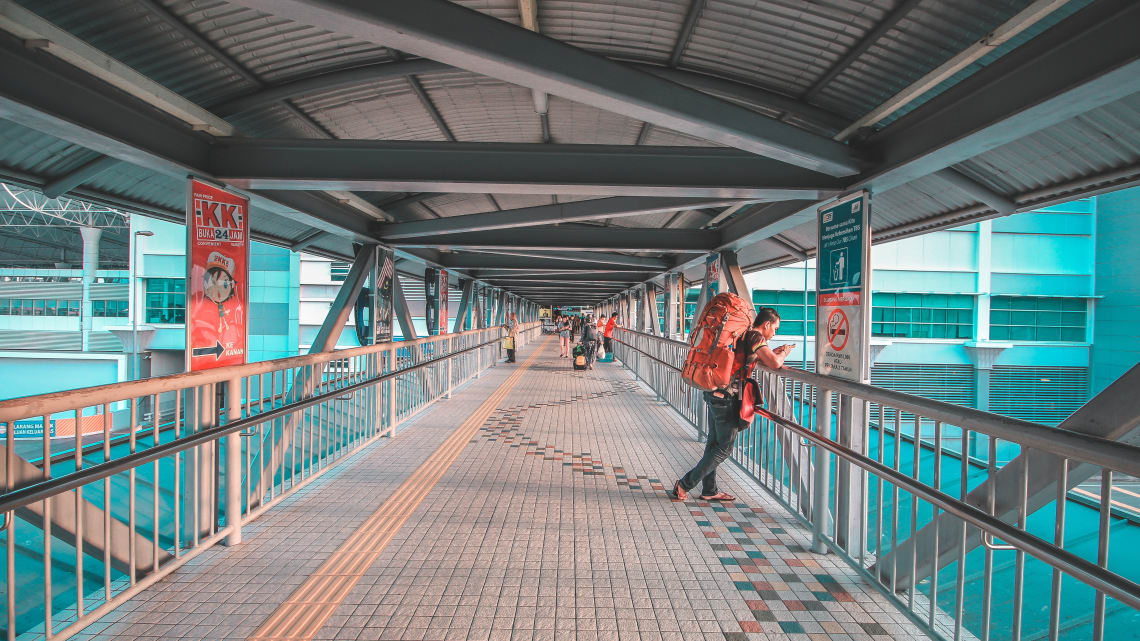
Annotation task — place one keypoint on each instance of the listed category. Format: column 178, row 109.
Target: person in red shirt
column 608, row 335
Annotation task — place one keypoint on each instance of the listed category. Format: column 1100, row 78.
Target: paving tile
column 553, row 523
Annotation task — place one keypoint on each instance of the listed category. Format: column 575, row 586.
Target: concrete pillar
column 983, row 355
column 91, row 237
column 985, row 272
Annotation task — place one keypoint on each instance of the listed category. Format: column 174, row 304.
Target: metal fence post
column 233, row 462
column 450, row 351
column 392, row 390
column 822, row 474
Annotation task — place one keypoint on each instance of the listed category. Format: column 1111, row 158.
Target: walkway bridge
column 434, row 492
column 573, row 153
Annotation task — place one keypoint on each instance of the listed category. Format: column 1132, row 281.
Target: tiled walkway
column 552, row 522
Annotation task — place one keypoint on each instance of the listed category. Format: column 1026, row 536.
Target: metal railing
column 93, row 519
column 909, row 491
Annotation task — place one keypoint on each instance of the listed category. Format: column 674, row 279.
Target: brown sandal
column 719, row 496
column 679, row 492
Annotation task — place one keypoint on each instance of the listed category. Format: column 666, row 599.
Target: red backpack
column 712, row 359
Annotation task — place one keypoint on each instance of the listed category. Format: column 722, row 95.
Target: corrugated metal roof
column 273, row 48
column 784, row 46
column 780, row 44
column 639, row 29
column 382, row 110
column 1092, row 143
column 481, row 109
column 575, row 123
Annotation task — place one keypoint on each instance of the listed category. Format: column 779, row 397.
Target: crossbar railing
column 158, row 470
column 908, row 490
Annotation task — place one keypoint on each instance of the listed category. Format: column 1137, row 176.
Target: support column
column 651, row 317
column 734, row 276
column 91, row 237
column 465, row 306
column 983, row 355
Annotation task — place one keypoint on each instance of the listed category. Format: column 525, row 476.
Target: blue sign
column 841, row 240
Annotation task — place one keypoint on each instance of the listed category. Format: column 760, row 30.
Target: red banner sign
column 217, row 277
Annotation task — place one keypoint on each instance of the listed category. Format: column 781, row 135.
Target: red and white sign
column 443, row 301
column 217, row 277
column 838, row 329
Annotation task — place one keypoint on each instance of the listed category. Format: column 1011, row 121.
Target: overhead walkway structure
column 551, row 153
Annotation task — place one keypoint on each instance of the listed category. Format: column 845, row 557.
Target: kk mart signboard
column 843, row 274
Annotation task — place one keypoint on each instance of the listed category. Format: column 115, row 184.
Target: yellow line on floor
column 303, row 614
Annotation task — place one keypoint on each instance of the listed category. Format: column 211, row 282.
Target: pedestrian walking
column 512, row 327
column 590, row 340
column 564, row 336
column 724, row 407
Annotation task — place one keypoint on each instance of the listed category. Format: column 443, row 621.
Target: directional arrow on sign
column 216, row 350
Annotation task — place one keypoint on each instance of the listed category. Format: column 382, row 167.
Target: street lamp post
column 134, row 308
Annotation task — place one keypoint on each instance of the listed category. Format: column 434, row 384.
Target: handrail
column 46, row 489
column 1100, row 578
column 67, row 401
column 1122, row 457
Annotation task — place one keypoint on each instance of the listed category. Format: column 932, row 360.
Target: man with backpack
column 590, row 340
column 724, row 405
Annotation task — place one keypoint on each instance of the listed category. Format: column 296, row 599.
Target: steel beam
column 465, row 304
column 570, row 278
column 548, row 214
column 886, row 24
column 49, row 96
column 65, row 183
column 514, row 168
column 539, row 259
column 402, row 312
column 470, row 40
column 564, row 239
column 999, row 202
column 613, row 274
column 1086, row 61
column 328, row 81
column 733, row 276
column 342, row 305
column 694, row 12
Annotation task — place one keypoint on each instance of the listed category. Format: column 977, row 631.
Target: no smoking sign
column 838, row 329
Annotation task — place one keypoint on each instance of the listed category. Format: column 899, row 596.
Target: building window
column 922, row 315
column 338, row 271
column 165, row 300
column 790, row 306
column 1036, row 318
column 109, row 308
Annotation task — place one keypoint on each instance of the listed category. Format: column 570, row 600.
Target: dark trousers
column 591, row 348
column 609, row 343
column 724, row 423
column 510, row 355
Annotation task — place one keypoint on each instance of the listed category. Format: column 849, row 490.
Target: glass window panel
column 999, row 302
column 1018, row 333
column 4, row 306
column 920, row 331
column 999, row 333
column 936, row 300
column 1049, row 304
column 1024, row 318
column 1052, row 319
column 1073, row 304
column 1048, row 334
column 1073, row 334
column 1073, row 319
